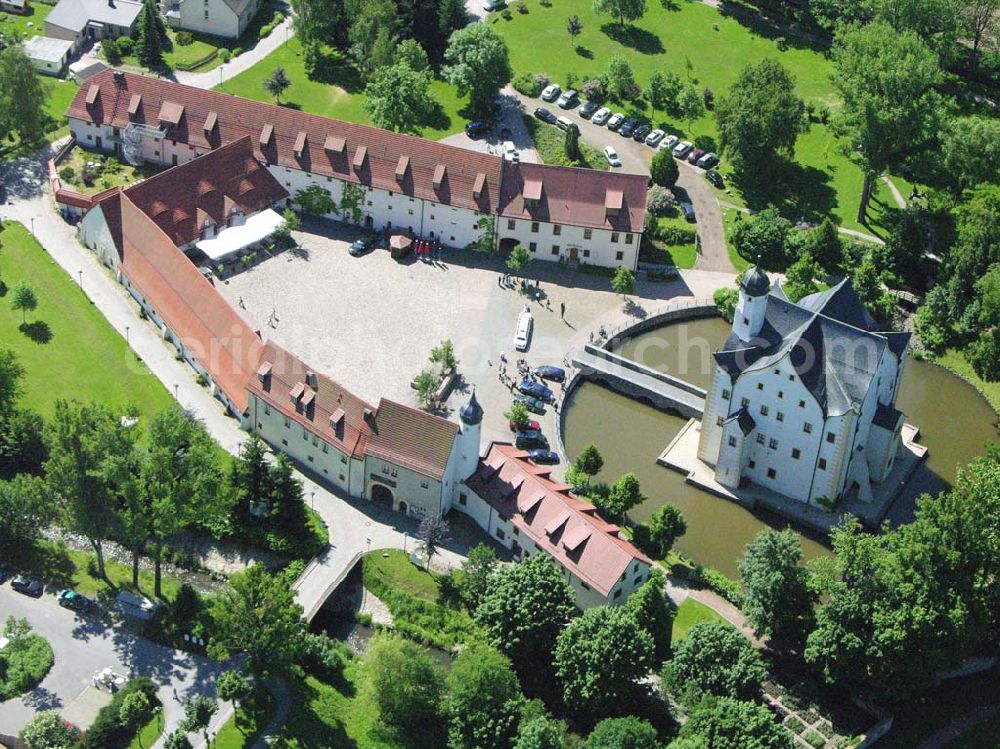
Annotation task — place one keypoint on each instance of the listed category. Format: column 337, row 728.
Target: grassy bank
column 68, row 349
column 955, row 362
column 550, row 142
column 689, row 613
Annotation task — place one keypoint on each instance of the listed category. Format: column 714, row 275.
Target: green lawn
column 550, row 142
column 689, row 613
column 340, row 95
column 61, row 93
column 394, row 568
column 19, row 24
column 122, row 174
column 697, row 42
column 68, row 349
column 149, row 733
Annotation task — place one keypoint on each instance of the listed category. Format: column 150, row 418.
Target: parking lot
column 371, row 321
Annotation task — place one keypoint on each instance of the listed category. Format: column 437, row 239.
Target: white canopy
column 233, row 238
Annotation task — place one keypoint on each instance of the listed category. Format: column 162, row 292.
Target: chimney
column 369, row 418
column 311, row 380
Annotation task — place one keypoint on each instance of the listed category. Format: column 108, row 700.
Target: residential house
column 224, row 18
column 82, row 21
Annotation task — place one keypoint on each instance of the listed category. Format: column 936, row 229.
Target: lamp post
column 32, row 226
column 126, row 335
column 80, row 274
column 369, row 540
column 312, row 494
column 176, row 396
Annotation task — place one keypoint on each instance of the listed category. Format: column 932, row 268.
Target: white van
column 522, row 338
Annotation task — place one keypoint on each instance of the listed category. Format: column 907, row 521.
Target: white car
column 682, row 149
column 522, row 336
column 655, row 137
column 612, row 156
column 601, row 116
column 509, row 152
column 616, row 121
column 564, row 123
column 551, row 92
column 669, row 142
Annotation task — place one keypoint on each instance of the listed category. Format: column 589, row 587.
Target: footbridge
column 629, row 378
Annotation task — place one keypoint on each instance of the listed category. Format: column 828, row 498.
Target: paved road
column 635, row 159
column 281, row 34
column 83, row 646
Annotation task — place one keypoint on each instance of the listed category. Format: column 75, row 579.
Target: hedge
column 107, row 730
column 23, row 664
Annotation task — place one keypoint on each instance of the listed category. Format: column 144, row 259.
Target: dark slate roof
column 471, row 413
column 832, row 341
column 744, row 419
column 755, row 281
column 887, row 417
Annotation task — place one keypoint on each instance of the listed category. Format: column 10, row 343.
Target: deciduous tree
column 725, row 723
column 23, row 298
column 277, row 83
column 398, row 98
column 665, row 526
column 22, row 96
column 654, row 613
column 25, row 511
column 478, row 65
column 622, row 733
column 484, row 700
column 47, row 730
column 433, row 531
column 406, row 687
column 663, row 169
column 623, row 282
column 779, row 602
column 476, row 571
column 623, row 10
column 714, row 658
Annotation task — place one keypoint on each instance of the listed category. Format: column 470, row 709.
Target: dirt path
column 896, row 194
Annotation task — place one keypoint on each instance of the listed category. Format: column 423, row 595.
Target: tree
column 398, row 98
column 426, row 385
column 22, row 96
column 258, row 617
column 198, row 712
column 249, row 477
column 801, row 277
column 318, row 22
column 410, row 53
column 524, row 609
column 600, row 659
column 714, row 658
column 90, row 459
column 622, row 733
column 476, row 571
column 590, row 460
column 234, row 687
column 624, row 494
column 518, row 415
column 971, row 150
column 478, row 65
column 433, row 531
column 690, row 104
column 47, row 730
column 619, row 80
column 725, row 723
column 372, row 33
column 891, row 109
column 654, row 613
column 762, row 236
column 665, row 527
column 177, row 740
column 623, row 282
column 658, row 92
column 151, row 34
column 11, row 380
column 574, row 26
column 518, row 260
column 316, row 200
column 977, row 244
column 25, row 511
column 978, row 22
column 623, row 10
column 406, row 688
column 663, row 169
column 484, row 700
column 24, row 298
column 824, row 244
column 759, row 121
column 277, row 83
column 779, row 602
column 725, row 300
column 571, row 142
column 539, row 732
column 444, row 356
column 134, row 709
column 452, row 16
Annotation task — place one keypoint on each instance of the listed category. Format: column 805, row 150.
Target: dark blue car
column 536, row 390
column 548, row 372
column 543, row 457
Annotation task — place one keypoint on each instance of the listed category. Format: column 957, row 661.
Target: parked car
column 3, row 575
column 688, row 210
column 360, row 247
column 587, row 109
column 628, row 127
column 545, row 115
column 669, row 142
column 715, row 178
column 564, row 123
column 568, row 100
column 654, row 138
column 509, row 152
column 476, row 129
column 543, row 457
column 612, row 156
column 707, row 161
column 551, row 92
column 548, row 372
column 615, row 121
column 531, row 440
column 491, row 5
column 522, row 335
column 697, row 153
column 682, row 149
column 601, row 116
column 530, row 425
column 28, row 586
column 70, row 599
column 641, row 132
column 536, row 390
column 532, row 404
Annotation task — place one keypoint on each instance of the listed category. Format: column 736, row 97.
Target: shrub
column 23, row 664
column 108, row 731
column 725, row 300
column 184, row 38
column 593, row 89
column 126, row 45
column 659, row 200
column 112, row 52
column 323, row 657
column 717, row 582
column 528, row 84
column 224, row 55
column 506, row 14
column 782, row 43
column 709, row 96
column 521, row 7
column 237, row 52
column 676, row 235
column 67, row 173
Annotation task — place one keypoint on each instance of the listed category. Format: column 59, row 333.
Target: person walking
column 562, row 310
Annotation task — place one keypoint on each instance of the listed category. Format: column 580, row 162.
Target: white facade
column 563, row 243
column 212, row 17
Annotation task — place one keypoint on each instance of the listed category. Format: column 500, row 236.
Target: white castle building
column 802, row 400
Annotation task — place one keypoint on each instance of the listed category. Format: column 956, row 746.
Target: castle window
column 751, row 464
column 286, row 422
column 732, row 441
column 780, row 416
column 614, row 236
column 802, row 404
column 760, row 438
column 462, row 499
column 796, row 453
column 746, row 320
column 831, row 437
column 760, row 385
column 618, row 594
column 511, row 223
column 781, row 393
column 718, row 421
column 619, row 256
column 725, row 394
column 771, row 473
column 773, row 444
column 586, row 253
column 588, row 233
column 745, row 402
column 424, row 485
column 326, row 448
column 555, row 249
column 533, row 246
column 807, row 428
column 556, row 230
column 628, row 239
column 822, row 464
column 500, row 534
column 791, row 378
column 534, row 227
column 267, row 410
column 763, row 410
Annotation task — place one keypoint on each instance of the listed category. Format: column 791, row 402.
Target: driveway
column 508, row 119
column 82, row 646
column 636, row 158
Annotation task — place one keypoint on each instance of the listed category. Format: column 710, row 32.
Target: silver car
column 616, row 121
column 601, row 116
column 551, row 92
column 682, row 149
column 669, row 142
column 655, row 137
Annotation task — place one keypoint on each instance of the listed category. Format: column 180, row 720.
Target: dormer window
column 171, row 113
column 133, row 105
column 334, row 144
column 264, row 375
column 613, row 201
column 439, row 174
column 359, row 158
column 210, row 122
column 92, row 93
column 532, row 192
column 401, row 167
column 266, row 134
column 300, row 144
column 477, row 188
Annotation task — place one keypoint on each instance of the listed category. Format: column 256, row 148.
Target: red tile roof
column 412, row 439
column 242, row 117
column 180, row 199
column 565, row 526
column 192, row 308
column 565, row 195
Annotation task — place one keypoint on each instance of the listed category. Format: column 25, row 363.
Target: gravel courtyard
column 371, row 321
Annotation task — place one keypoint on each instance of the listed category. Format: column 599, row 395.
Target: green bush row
column 715, row 581
column 275, row 20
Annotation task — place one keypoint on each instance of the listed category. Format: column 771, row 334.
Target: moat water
column 955, row 423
